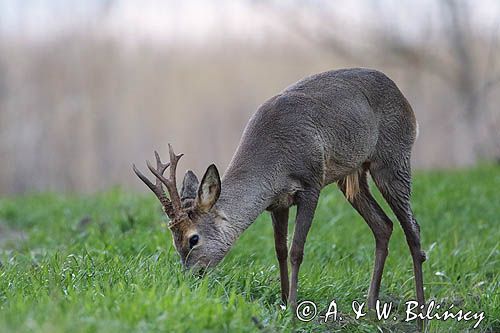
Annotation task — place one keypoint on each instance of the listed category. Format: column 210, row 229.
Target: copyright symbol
column 306, row 311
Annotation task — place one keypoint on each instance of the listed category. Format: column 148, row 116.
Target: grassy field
column 105, row 263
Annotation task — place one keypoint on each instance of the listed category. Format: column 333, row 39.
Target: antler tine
column 157, row 189
column 171, row 182
column 174, row 159
column 172, row 206
column 160, row 167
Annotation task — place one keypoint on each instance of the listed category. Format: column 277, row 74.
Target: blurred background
column 89, row 87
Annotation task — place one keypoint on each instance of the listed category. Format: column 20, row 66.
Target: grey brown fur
column 333, row 127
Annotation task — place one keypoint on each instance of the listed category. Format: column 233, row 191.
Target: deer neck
column 243, row 197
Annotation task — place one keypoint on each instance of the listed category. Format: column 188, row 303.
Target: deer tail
column 352, row 185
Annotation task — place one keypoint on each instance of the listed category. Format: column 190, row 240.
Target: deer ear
column 189, row 185
column 209, row 189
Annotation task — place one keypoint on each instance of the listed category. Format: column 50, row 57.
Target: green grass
column 106, row 263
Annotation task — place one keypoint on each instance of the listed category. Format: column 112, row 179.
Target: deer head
column 195, row 223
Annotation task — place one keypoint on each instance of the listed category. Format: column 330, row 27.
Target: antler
column 172, row 206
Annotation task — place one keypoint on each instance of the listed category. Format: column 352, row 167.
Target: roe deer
column 331, row 127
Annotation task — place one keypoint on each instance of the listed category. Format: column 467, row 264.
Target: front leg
column 306, row 205
column 280, row 226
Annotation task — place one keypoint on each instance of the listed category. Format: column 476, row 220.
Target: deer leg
column 394, row 182
column 280, row 226
column 306, row 205
column 381, row 226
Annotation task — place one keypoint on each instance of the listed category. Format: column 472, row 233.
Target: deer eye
column 193, row 240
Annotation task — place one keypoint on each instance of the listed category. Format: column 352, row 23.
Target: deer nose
column 199, row 271
column 195, row 267
column 196, row 270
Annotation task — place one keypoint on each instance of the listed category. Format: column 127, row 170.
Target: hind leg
column 394, row 182
column 381, row 227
